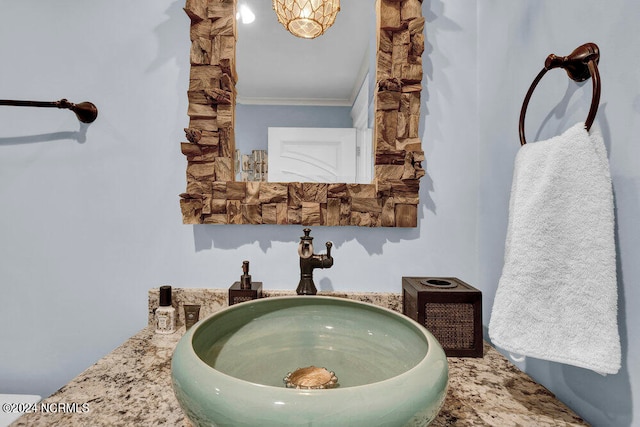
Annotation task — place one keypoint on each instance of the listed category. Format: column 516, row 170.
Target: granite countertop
column 132, row 386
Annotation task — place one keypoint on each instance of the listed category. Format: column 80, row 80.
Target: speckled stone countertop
column 131, row 386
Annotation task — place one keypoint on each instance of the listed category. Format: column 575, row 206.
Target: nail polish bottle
column 165, row 314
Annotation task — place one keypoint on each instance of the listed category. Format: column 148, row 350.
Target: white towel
column 557, row 296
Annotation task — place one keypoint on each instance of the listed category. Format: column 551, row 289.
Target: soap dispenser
column 245, row 289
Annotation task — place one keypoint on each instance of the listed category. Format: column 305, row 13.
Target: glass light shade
column 307, row 19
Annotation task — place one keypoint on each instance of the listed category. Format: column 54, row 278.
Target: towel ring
column 580, row 64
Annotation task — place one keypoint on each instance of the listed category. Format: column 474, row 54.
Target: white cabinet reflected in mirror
column 288, row 82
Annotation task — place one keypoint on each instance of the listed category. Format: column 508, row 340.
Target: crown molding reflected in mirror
column 213, row 197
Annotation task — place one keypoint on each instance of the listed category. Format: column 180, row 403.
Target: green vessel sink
column 230, row 369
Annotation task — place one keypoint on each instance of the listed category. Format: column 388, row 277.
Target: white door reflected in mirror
column 312, row 154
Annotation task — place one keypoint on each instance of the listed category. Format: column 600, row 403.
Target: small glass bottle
column 165, row 314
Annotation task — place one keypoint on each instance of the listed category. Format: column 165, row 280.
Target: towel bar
column 85, row 111
column 580, row 64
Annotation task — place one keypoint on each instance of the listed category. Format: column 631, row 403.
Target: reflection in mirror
column 295, row 96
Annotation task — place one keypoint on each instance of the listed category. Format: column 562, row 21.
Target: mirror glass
column 304, row 108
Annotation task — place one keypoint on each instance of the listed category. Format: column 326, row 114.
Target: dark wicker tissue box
column 449, row 308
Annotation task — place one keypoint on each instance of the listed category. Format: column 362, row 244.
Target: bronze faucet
column 309, row 261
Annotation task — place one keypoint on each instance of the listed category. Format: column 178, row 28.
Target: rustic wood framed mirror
column 213, row 196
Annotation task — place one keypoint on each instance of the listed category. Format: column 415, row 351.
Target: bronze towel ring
column 580, row 64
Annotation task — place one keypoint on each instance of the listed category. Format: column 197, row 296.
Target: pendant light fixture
column 307, row 19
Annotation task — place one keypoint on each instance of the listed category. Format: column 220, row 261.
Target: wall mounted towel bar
column 580, row 64
column 85, row 111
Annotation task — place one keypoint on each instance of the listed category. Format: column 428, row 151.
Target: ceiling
column 275, row 67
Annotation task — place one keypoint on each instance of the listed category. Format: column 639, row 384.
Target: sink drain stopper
column 311, row 377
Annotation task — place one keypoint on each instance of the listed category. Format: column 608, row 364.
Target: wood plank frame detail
column 213, row 197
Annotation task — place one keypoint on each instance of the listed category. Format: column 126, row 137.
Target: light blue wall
column 89, row 217
column 514, row 38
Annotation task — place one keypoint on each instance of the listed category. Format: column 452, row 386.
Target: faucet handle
column 329, row 245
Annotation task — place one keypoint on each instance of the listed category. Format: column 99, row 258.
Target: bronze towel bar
column 580, row 64
column 85, row 111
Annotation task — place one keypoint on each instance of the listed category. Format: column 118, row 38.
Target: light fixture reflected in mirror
column 245, row 14
column 307, row 19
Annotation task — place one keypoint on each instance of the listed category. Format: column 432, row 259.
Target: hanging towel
column 557, row 296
